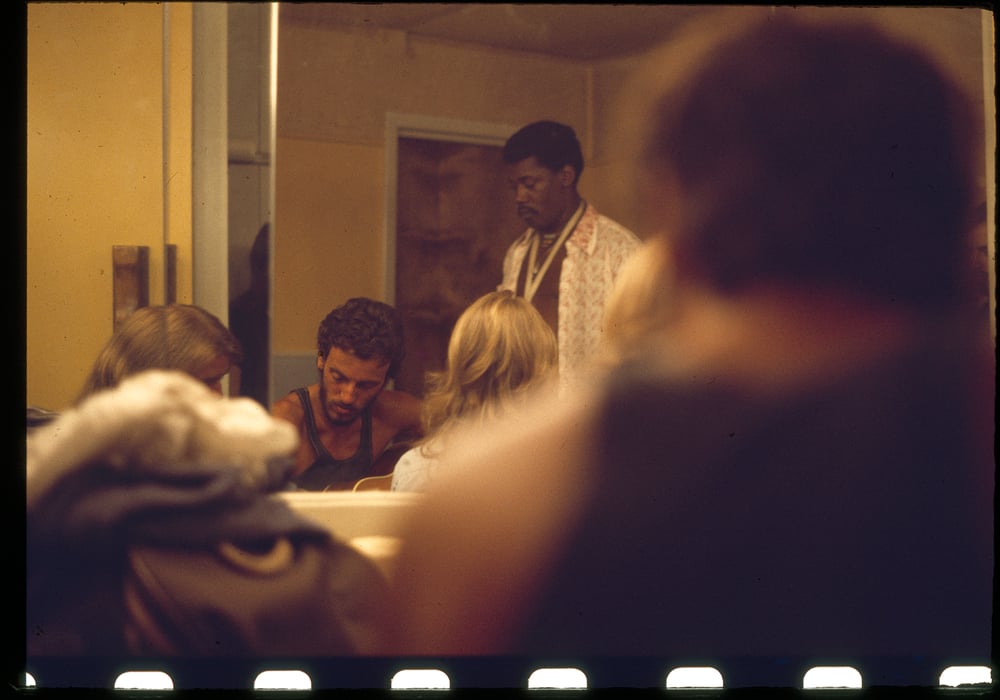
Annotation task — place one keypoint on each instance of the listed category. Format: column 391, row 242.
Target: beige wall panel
column 338, row 85
column 94, row 177
column 329, row 229
column 178, row 171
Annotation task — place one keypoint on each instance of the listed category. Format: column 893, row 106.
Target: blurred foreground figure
column 800, row 463
column 151, row 531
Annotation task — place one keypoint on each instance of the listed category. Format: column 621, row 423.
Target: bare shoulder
column 289, row 408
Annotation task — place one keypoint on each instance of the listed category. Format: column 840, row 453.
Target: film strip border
column 514, row 673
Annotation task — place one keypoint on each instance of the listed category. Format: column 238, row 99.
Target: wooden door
column 455, row 219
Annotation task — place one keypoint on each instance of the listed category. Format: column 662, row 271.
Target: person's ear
column 566, row 176
column 319, row 361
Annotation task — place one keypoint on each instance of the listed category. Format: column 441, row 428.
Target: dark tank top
column 326, row 470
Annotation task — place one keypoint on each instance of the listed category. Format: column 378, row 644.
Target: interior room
column 164, row 138
column 201, row 167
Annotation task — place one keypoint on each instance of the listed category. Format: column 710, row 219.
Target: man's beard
column 334, row 418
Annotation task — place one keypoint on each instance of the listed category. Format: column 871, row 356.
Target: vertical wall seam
column 165, row 133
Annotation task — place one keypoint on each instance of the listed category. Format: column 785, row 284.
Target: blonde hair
column 176, row 336
column 499, row 349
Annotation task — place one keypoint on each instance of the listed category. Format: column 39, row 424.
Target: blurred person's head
column 360, row 347
column 175, row 336
column 641, row 303
column 821, row 156
column 544, row 162
column 499, row 349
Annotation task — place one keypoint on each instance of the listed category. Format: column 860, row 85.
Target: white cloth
column 155, row 419
column 595, row 254
column 414, row 470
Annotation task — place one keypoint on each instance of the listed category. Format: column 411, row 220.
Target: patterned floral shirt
column 595, row 253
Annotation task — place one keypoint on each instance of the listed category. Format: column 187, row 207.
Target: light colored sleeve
column 412, row 471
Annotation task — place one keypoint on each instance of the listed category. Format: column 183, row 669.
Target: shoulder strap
column 311, row 431
column 365, row 450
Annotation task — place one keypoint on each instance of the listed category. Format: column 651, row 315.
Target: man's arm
column 397, row 425
column 400, row 411
column 289, row 408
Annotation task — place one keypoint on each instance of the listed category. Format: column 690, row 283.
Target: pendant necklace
column 535, row 273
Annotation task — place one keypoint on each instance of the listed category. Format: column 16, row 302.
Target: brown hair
column 176, row 336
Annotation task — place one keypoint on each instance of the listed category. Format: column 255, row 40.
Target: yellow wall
column 177, row 118
column 329, row 246
column 95, row 175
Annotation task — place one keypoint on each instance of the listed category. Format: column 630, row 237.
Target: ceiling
column 579, row 32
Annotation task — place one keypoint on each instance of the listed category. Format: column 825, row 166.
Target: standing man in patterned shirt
column 567, row 261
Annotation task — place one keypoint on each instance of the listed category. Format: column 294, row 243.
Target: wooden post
column 131, row 280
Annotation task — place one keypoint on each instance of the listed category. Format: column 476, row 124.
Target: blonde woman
column 500, row 349
column 176, row 336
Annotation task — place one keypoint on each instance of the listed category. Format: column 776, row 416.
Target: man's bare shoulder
column 289, row 408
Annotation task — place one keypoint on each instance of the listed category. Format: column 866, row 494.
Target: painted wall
column 335, row 87
column 96, row 123
column 334, row 91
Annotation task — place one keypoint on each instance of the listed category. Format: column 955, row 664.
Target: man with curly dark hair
column 347, row 420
